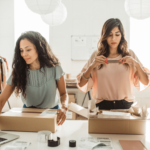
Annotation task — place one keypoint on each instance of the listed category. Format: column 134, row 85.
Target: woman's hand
column 129, row 60
column 61, row 116
column 98, row 61
column 141, row 72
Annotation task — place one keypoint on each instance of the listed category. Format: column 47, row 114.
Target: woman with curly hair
column 113, row 83
column 36, row 74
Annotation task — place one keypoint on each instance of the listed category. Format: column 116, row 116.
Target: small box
column 28, row 119
column 71, row 98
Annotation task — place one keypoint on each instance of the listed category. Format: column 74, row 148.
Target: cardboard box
column 27, row 119
column 117, row 126
column 81, row 118
column 71, row 98
column 113, row 124
column 71, row 115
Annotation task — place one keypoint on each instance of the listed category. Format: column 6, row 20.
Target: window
column 140, row 40
column 26, row 20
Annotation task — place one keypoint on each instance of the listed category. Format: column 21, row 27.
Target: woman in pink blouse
column 113, row 83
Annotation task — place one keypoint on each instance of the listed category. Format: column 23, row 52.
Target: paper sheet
column 115, row 113
column 91, row 143
column 78, row 109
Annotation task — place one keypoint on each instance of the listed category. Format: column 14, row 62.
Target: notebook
column 132, row 145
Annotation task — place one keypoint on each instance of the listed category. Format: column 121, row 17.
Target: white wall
column 7, row 29
column 85, row 17
column 7, row 37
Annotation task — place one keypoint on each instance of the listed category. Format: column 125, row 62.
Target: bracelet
column 65, row 108
column 85, row 77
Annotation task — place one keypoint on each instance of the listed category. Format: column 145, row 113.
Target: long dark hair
column 103, row 47
column 19, row 66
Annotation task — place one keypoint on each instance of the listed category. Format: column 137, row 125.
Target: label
column 68, row 115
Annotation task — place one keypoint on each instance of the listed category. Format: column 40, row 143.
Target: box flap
column 26, row 115
column 78, row 109
column 30, row 110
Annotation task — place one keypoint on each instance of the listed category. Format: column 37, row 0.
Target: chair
column 89, row 95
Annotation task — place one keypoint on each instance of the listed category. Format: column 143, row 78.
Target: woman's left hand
column 129, row 60
column 61, row 116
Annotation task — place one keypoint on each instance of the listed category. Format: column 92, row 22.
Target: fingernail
column 119, row 59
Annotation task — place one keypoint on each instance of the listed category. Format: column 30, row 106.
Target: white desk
column 73, row 130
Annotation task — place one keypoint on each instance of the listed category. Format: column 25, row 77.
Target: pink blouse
column 113, row 81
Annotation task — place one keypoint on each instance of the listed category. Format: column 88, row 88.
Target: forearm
column 1, row 104
column 1, row 107
column 64, row 100
column 142, row 75
column 4, row 82
column 86, row 75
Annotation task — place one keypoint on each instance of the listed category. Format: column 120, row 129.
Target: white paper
column 115, row 113
column 17, row 145
column 78, row 109
column 144, row 112
column 91, row 143
column 9, row 147
column 68, row 115
column 21, row 144
column 46, row 112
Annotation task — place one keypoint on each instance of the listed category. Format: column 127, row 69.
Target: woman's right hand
column 98, row 61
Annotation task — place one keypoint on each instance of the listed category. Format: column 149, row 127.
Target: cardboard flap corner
column 78, row 109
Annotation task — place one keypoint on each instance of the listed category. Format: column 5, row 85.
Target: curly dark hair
column 103, row 47
column 19, row 66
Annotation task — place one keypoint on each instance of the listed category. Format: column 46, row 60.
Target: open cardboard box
column 30, row 119
column 112, row 124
